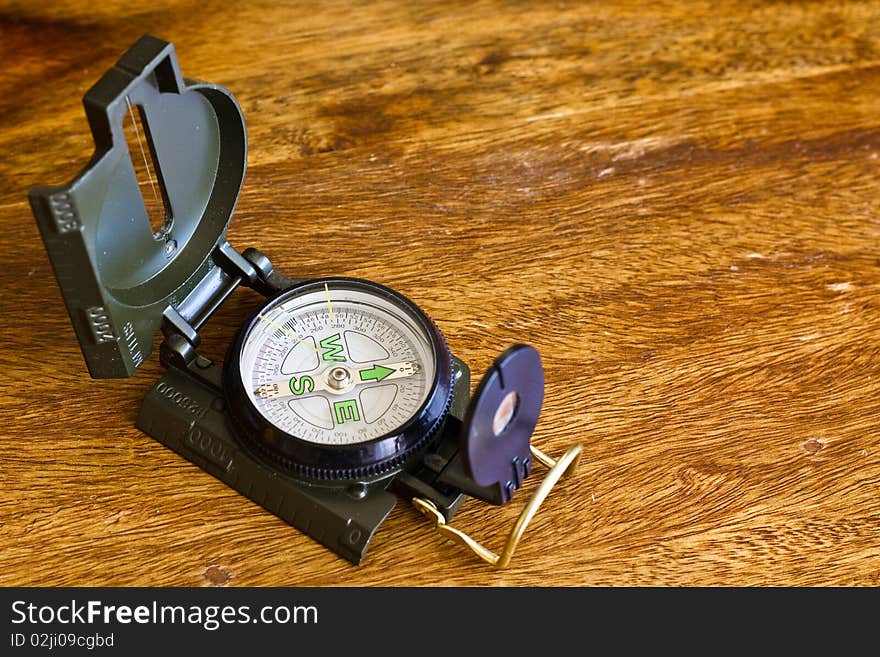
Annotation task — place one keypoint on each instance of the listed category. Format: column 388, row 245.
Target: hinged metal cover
column 116, row 275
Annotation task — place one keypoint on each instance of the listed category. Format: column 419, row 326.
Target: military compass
column 337, row 397
column 340, row 378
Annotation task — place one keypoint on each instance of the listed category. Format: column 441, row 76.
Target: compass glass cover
column 337, row 365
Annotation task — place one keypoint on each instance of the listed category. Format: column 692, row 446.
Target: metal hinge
column 180, row 323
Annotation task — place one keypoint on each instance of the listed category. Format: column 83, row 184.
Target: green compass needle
column 376, row 373
column 336, row 380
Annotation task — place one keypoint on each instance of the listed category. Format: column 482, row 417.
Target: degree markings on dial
column 286, row 331
column 399, row 341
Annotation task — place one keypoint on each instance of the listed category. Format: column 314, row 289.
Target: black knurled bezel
column 308, row 460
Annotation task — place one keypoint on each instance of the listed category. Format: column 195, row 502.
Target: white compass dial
column 337, row 366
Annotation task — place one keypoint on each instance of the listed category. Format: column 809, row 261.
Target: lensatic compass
column 337, row 397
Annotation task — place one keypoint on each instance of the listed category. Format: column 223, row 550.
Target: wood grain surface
column 676, row 203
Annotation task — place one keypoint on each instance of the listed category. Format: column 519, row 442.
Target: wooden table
column 676, row 203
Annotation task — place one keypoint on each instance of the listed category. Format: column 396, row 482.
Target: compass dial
column 340, row 365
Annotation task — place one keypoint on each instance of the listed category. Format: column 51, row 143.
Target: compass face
column 338, row 364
